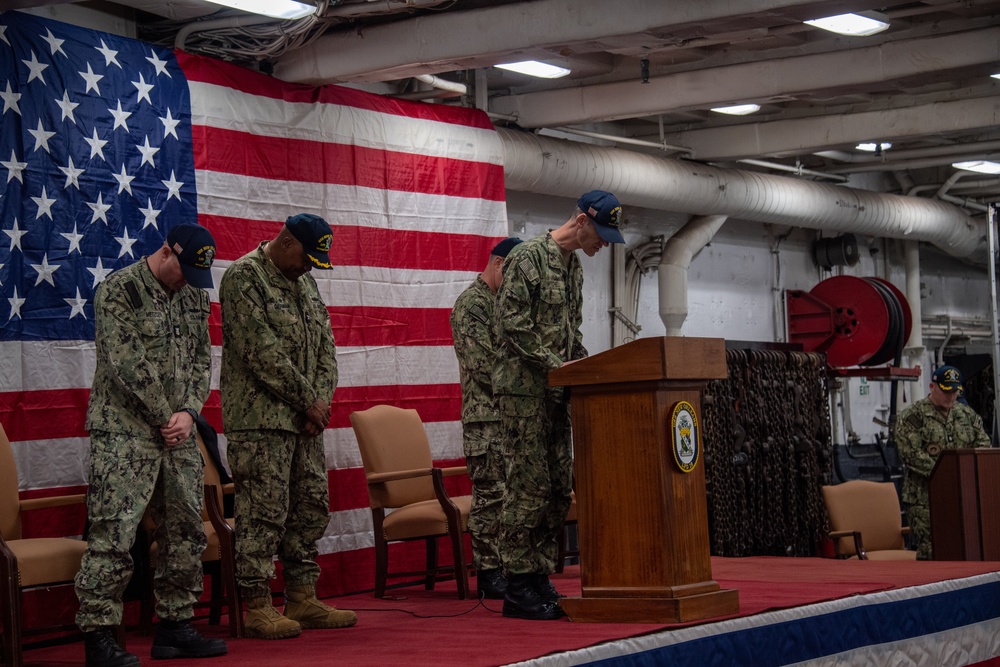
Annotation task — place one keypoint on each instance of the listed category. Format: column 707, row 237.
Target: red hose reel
column 855, row 321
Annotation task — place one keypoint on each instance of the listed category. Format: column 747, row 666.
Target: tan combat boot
column 301, row 605
column 264, row 622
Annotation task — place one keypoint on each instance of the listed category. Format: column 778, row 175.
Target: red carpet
column 435, row 628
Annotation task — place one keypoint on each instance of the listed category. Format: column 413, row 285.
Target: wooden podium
column 643, row 521
column 965, row 505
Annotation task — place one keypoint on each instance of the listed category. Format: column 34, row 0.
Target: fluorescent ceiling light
column 982, row 166
column 850, row 24
column 871, row 147
column 279, row 9
column 535, row 68
column 738, row 109
column 996, row 76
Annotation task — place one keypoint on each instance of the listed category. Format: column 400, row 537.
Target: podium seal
column 686, row 437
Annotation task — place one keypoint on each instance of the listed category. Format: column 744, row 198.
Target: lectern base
column 652, row 610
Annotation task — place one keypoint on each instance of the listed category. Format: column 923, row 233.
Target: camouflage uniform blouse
column 538, row 317
column 153, row 353
column 922, row 432
column 472, row 331
column 278, row 354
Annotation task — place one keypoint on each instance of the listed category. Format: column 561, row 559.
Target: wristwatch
column 192, row 412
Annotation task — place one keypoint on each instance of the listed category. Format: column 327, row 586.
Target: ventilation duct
column 564, row 168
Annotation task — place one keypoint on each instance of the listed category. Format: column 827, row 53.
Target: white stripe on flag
column 216, row 106
column 251, row 198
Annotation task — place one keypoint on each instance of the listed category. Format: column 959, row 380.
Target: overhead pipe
column 565, row 168
column 675, row 260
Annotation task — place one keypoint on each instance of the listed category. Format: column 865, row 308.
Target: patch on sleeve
column 132, row 295
column 915, row 420
column 528, row 270
column 479, row 313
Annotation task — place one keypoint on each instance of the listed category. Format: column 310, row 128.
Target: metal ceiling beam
column 758, row 81
column 463, row 39
column 807, row 135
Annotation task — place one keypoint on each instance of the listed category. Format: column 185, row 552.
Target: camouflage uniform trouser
column 487, row 475
column 919, row 518
column 127, row 476
column 538, row 464
column 282, row 506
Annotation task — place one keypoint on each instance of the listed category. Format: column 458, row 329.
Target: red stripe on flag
column 62, row 413
column 367, row 326
column 433, row 402
column 197, row 68
column 44, row 414
column 362, row 246
column 283, row 159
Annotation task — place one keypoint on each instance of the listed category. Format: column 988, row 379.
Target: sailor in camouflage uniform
column 537, row 326
column 923, row 431
column 151, row 380
column 279, row 372
column 472, row 331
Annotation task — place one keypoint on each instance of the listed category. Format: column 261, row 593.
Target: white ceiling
column 924, row 84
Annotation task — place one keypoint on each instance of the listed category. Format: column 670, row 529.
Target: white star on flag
column 35, row 69
column 91, row 79
column 160, row 65
column 143, row 89
column 150, row 214
column 44, row 205
column 67, row 107
column 15, row 234
column 72, row 174
column 100, row 209
column 15, row 305
column 96, row 145
column 10, row 99
column 45, row 271
column 54, row 43
column 126, row 244
column 14, row 168
column 173, row 186
column 76, row 305
column 120, row 117
column 74, row 240
column 42, row 137
column 170, row 125
column 100, row 273
column 147, row 152
column 124, row 181
column 110, row 55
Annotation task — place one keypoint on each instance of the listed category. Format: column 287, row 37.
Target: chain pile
column 766, row 438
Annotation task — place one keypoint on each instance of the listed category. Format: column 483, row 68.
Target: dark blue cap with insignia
column 948, row 378
column 503, row 248
column 315, row 235
column 195, row 250
column 605, row 210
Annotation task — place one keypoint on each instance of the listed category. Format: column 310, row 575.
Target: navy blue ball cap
column 315, row 235
column 503, row 248
column 948, row 378
column 606, row 211
column 195, row 250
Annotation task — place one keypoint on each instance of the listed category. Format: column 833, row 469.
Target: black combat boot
column 179, row 639
column 491, row 584
column 545, row 589
column 102, row 650
column 523, row 601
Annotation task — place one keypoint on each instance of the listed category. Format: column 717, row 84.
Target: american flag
column 107, row 142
